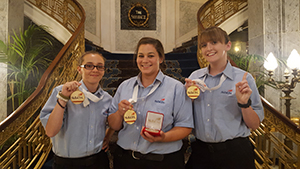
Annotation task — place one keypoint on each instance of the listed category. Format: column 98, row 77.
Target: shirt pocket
column 226, row 104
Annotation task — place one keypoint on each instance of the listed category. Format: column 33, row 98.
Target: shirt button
column 139, row 112
column 207, row 120
column 137, row 127
column 208, row 105
column 90, row 141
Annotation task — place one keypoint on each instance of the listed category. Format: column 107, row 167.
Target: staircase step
column 120, row 67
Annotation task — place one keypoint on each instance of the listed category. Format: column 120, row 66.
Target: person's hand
column 188, row 83
column 147, row 136
column 105, row 145
column 69, row 87
column 124, row 105
column 243, row 91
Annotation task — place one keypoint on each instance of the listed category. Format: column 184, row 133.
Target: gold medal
column 193, row 92
column 77, row 97
column 130, row 116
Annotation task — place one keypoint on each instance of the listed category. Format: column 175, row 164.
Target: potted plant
column 25, row 57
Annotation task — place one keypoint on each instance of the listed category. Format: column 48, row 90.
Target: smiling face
column 215, row 51
column 148, row 60
column 91, row 77
column 214, row 44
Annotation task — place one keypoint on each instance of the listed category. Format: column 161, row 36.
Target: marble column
column 274, row 27
column 11, row 18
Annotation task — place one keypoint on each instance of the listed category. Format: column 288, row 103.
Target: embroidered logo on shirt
column 227, row 92
column 162, row 101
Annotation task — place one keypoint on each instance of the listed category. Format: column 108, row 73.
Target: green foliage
column 245, row 61
column 25, row 57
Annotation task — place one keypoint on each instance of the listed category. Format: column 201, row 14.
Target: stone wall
column 11, row 18
column 176, row 22
column 274, row 27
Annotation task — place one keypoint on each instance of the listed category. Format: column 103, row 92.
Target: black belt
column 220, row 146
column 82, row 161
column 139, row 156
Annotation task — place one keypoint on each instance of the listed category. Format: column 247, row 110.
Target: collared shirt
column 169, row 99
column 217, row 116
column 83, row 128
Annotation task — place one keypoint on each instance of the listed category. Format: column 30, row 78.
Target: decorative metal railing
column 277, row 141
column 23, row 143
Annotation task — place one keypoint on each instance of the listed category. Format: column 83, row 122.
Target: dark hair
column 155, row 42
column 213, row 34
column 81, row 58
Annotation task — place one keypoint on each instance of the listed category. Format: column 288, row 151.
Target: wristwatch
column 245, row 105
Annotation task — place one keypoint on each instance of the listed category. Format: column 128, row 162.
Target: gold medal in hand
column 130, row 116
column 77, row 97
column 193, row 92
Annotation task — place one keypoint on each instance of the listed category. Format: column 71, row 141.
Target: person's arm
column 176, row 133
column 106, row 140
column 250, row 118
column 115, row 121
column 182, row 119
column 243, row 93
column 55, row 120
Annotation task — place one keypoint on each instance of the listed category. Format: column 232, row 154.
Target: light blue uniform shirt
column 83, row 128
column 169, row 99
column 217, row 116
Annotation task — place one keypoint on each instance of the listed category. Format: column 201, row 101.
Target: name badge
column 77, row 97
column 153, row 123
column 193, row 92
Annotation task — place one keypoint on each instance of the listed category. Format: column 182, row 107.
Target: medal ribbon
column 136, row 89
column 89, row 95
column 204, row 87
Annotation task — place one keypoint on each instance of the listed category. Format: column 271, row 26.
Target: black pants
column 96, row 161
column 123, row 159
column 232, row 154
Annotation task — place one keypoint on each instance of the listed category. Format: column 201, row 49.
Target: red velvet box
column 153, row 123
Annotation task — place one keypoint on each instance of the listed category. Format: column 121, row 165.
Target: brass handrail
column 22, row 135
column 270, row 139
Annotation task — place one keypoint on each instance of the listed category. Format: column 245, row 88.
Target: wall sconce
column 237, row 46
column 293, row 62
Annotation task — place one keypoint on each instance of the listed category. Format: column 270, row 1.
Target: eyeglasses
column 91, row 67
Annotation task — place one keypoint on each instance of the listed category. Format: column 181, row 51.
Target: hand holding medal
column 126, row 110
column 71, row 88
column 67, row 90
column 192, row 90
column 195, row 86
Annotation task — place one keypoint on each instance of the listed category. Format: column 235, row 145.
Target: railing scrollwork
column 23, row 143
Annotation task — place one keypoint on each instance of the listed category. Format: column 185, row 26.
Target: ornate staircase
column 23, row 143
